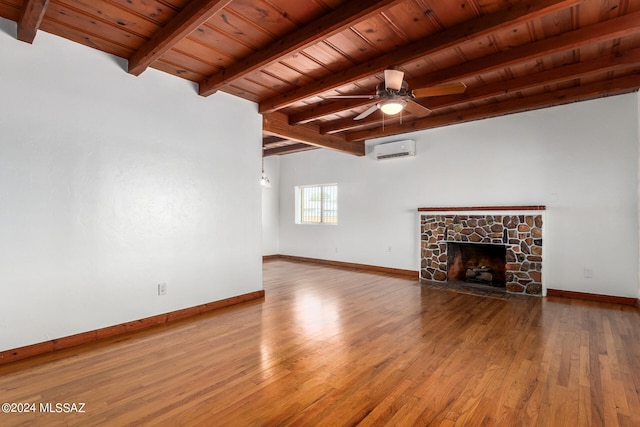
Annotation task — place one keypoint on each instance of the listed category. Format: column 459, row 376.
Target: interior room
column 209, row 215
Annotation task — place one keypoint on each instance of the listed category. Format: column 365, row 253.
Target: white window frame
column 323, row 217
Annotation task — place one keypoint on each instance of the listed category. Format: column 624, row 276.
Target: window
column 317, row 204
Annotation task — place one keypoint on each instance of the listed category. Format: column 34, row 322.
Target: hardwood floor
column 332, row 347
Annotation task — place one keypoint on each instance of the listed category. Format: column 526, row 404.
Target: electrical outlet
column 162, row 288
column 588, row 273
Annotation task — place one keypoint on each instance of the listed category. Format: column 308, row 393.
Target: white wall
column 580, row 160
column 271, row 207
column 111, row 184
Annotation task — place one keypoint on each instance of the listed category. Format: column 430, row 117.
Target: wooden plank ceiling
column 292, row 56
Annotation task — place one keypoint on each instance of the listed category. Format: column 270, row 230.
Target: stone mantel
column 483, row 208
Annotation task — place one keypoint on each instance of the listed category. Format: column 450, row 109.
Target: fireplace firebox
column 477, row 263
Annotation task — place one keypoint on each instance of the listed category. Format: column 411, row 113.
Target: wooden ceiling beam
column 275, row 145
column 620, row 62
column 430, row 45
column 269, row 140
column 325, row 109
column 343, row 17
column 288, row 149
column 565, row 96
column 277, row 124
column 196, row 13
column 30, row 19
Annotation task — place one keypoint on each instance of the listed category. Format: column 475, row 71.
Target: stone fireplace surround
column 518, row 228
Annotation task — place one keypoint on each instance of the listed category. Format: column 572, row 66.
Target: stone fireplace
column 490, row 249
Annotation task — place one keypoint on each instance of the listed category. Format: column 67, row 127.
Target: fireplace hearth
column 501, row 251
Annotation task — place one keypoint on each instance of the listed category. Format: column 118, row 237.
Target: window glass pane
column 318, row 204
column 310, row 204
column 330, row 204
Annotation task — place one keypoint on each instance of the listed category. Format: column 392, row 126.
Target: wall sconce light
column 264, row 181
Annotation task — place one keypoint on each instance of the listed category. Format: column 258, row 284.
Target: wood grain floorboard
column 330, row 346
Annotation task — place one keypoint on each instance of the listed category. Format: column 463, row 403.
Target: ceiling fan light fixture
column 392, row 106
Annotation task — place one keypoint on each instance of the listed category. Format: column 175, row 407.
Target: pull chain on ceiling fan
column 393, row 95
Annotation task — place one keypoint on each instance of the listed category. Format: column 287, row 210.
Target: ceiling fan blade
column 447, row 89
column 352, row 97
column 366, row 113
column 393, row 79
column 417, row 109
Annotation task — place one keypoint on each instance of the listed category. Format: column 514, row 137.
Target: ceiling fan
column 393, row 95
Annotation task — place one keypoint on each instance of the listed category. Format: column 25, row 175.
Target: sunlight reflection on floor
column 317, row 316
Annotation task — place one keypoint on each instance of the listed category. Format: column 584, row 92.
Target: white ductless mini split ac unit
column 391, row 150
